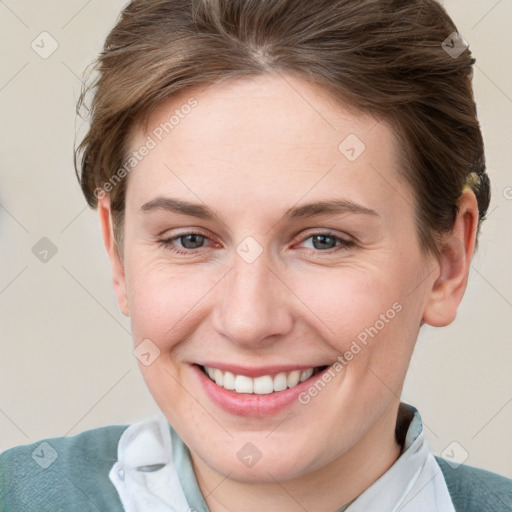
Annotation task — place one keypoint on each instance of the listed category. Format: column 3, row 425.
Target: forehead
column 272, row 135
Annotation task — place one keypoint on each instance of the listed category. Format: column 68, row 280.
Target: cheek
column 345, row 300
column 367, row 315
column 164, row 299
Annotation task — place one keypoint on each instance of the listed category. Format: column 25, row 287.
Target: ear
column 454, row 264
column 118, row 275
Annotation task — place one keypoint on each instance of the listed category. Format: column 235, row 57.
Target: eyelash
column 168, row 243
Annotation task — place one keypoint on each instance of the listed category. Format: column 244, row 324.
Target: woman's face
column 268, row 233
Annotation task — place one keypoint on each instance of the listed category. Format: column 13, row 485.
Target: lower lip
column 245, row 404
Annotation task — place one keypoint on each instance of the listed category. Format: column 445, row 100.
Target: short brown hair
column 388, row 58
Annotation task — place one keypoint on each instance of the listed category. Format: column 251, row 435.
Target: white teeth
column 263, row 385
column 218, row 376
column 243, row 384
column 293, row 378
column 280, row 382
column 306, row 374
column 229, row 380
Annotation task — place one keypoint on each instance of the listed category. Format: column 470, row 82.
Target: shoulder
column 61, row 473
column 474, row 489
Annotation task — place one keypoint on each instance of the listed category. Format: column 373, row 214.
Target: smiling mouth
column 263, row 385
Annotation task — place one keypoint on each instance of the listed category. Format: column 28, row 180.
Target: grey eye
column 323, row 241
column 194, row 239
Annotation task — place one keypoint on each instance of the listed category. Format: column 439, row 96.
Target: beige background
column 66, row 357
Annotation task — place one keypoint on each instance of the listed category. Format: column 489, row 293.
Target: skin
column 250, row 150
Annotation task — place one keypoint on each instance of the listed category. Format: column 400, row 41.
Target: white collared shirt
column 146, row 474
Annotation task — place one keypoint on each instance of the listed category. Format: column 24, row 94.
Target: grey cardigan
column 76, row 479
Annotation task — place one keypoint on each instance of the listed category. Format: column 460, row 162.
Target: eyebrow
column 331, row 207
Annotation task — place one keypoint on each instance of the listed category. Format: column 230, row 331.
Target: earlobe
column 118, row 274
column 454, row 263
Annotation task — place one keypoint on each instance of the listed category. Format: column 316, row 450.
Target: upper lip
column 258, row 371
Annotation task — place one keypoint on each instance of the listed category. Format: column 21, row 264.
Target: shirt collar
column 149, row 452
column 415, row 482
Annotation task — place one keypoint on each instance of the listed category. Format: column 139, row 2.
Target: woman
column 288, row 190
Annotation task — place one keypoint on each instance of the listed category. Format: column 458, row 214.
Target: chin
column 266, row 463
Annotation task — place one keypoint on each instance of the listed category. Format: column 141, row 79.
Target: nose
column 253, row 308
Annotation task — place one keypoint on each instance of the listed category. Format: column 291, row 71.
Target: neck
column 324, row 490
